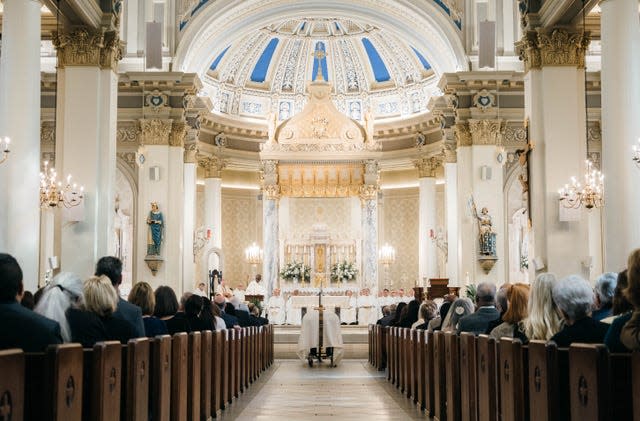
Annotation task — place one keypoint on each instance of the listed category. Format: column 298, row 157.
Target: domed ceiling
column 265, row 73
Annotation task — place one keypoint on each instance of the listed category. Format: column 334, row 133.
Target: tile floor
column 290, row 390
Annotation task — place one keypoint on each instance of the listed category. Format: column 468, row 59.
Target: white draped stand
column 310, row 335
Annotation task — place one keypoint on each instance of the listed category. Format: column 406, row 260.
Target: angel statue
column 485, row 226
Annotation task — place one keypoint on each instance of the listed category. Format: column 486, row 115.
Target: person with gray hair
column 487, row 312
column 573, row 297
column 604, row 291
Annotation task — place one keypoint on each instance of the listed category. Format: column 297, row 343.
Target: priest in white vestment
column 256, row 287
column 239, row 292
column 294, row 315
column 309, row 335
column 367, row 308
column 348, row 314
column 223, row 289
column 275, row 308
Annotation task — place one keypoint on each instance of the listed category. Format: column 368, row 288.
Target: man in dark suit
column 19, row 326
column 111, row 267
column 388, row 313
column 486, row 312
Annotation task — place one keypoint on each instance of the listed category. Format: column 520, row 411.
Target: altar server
column 367, row 311
column 294, row 315
column 276, row 308
column 348, row 313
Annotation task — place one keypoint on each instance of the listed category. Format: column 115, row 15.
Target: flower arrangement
column 343, row 271
column 296, row 270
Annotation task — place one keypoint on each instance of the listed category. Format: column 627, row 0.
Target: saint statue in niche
column 155, row 221
column 487, row 237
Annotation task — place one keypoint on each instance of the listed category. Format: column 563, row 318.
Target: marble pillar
column 20, row 121
column 451, row 221
column 427, row 249
column 189, row 217
column 212, row 209
column 620, row 129
column 370, row 242
column 161, row 180
column 271, row 243
column 86, row 143
column 554, row 105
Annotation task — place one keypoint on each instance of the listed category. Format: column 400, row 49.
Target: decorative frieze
column 155, row 131
column 486, row 132
column 83, row 47
column 213, row 166
column 128, row 134
column 129, row 158
column 556, row 48
column 47, row 133
column 428, row 165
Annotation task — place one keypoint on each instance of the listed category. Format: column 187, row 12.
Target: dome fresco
column 265, row 73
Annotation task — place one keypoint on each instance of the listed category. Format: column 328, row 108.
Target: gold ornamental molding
column 559, row 47
column 191, row 153
column 334, row 180
column 178, row 133
column 462, row 134
column 428, row 165
column 83, row 47
column 155, row 131
column 486, row 132
column 213, row 166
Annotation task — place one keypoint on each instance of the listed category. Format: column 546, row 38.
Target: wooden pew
column 635, row 387
column 392, row 354
column 413, row 366
column 193, row 375
column 217, row 372
column 136, row 367
column 54, row 384
column 160, row 378
column 224, row 369
column 428, row 375
column 260, row 352
column 382, row 347
column 468, row 382
column 206, row 381
column 238, row 363
column 421, row 350
column 588, row 371
column 179, row 373
column 371, row 343
column 512, row 380
column 548, row 385
column 620, row 387
column 12, row 384
column 406, row 360
column 103, row 381
column 486, row 375
column 452, row 374
column 231, row 364
column 439, row 378
column 243, row 341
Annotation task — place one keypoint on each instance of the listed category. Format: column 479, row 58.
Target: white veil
column 58, row 296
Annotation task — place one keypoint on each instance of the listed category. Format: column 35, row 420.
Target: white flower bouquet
column 343, row 271
column 295, row 270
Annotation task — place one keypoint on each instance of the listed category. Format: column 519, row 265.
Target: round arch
column 422, row 23
column 206, row 258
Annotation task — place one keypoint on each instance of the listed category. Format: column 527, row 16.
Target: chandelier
column 253, row 254
column 387, row 255
column 590, row 195
column 52, row 192
column 4, row 147
column 636, row 153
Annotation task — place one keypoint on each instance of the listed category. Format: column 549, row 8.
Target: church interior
column 368, row 180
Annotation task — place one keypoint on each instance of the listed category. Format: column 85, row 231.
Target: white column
column 20, row 121
column 271, row 247
column 189, row 217
column 212, row 208
column 428, row 262
column 451, row 221
column 620, row 129
column 370, row 242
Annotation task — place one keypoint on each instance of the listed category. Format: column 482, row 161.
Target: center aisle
column 290, row 390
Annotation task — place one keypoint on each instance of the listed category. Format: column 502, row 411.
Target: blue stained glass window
column 325, row 73
column 380, row 71
column 259, row 73
column 215, row 63
column 423, row 60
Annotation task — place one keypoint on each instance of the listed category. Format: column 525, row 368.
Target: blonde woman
column 542, row 321
column 94, row 321
column 142, row 296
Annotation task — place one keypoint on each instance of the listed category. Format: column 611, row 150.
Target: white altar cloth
column 311, row 301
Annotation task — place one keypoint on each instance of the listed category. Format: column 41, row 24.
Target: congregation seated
column 397, row 316
column 94, row 320
column 230, row 320
column 111, row 267
column 460, row 308
column 604, row 290
column 196, row 316
column 166, row 309
column 64, row 291
column 233, row 308
column 517, row 296
column 309, row 340
column 21, row 327
column 444, row 310
column 411, row 314
column 254, row 314
column 622, row 310
column 630, row 333
column 28, row 301
column 428, row 316
column 478, row 322
column 215, row 313
column 574, row 299
column 542, row 321
column 142, row 296
column 388, row 314
column 501, row 305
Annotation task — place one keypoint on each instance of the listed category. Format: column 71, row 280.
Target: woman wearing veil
column 62, row 293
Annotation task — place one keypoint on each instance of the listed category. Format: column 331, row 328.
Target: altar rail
column 479, row 379
column 185, row 377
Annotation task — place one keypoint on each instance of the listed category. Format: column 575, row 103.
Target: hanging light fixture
column 4, row 148
column 53, row 193
column 591, row 194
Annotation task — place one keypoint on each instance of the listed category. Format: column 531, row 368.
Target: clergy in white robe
column 309, row 334
column 294, row 315
column 239, row 292
column 276, row 308
column 348, row 313
column 256, row 288
column 223, row 289
column 367, row 308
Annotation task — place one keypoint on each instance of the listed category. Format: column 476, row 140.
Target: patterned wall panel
column 199, row 223
column 400, row 229
column 241, row 226
column 335, row 212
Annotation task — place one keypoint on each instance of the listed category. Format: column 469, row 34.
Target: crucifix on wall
column 523, row 161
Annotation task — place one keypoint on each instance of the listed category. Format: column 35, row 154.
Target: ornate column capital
column 213, row 166
column 427, row 165
column 155, row 131
column 191, row 153
column 83, row 47
column 178, row 133
column 557, row 47
column 486, row 132
column 462, row 134
column 269, row 179
column 449, row 151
